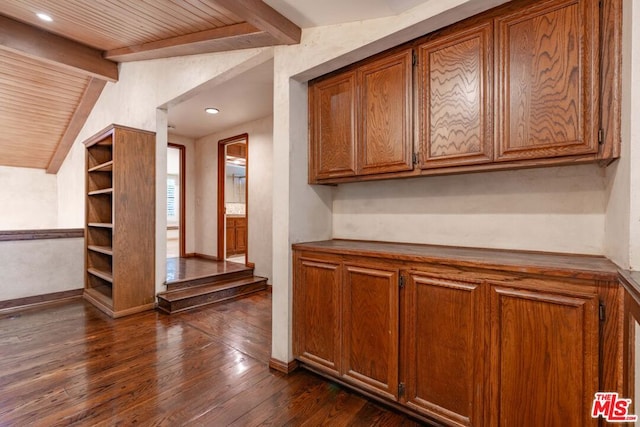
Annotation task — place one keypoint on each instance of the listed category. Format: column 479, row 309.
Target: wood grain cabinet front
column 455, row 98
column 236, row 235
column 544, row 351
column 384, row 142
column 486, row 338
column 332, row 121
column 360, row 120
column 444, row 327
column 370, row 328
column 548, row 80
column 518, row 86
column 317, row 311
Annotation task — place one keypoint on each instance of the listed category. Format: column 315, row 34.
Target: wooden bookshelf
column 120, row 220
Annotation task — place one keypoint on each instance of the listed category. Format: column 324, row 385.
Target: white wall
column 28, row 198
column 39, row 267
column 553, row 209
column 622, row 223
column 631, row 92
column 260, row 192
column 190, row 196
column 139, row 99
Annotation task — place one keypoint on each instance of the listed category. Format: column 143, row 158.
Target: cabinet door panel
column 332, row 119
column 241, row 235
column 548, row 83
column 544, row 351
column 455, row 99
column 384, row 140
column 231, row 236
column 370, row 329
column 316, row 326
column 444, row 348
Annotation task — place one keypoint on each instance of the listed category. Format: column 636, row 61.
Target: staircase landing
column 195, row 282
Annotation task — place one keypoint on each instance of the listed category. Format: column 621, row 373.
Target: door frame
column 222, row 162
column 183, row 192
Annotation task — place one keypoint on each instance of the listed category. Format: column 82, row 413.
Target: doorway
column 233, row 191
column 175, row 200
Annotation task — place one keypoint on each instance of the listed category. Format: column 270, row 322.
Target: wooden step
column 175, row 301
column 209, row 279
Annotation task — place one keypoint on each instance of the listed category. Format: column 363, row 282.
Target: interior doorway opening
column 233, row 230
column 175, row 200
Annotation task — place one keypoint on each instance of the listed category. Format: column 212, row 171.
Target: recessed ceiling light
column 211, row 110
column 44, row 17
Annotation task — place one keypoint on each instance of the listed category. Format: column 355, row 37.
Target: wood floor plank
column 272, row 389
column 338, row 409
column 69, row 364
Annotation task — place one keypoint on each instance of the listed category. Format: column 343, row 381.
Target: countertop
column 588, row 267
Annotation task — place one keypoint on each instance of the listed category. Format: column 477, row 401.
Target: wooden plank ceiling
column 52, row 73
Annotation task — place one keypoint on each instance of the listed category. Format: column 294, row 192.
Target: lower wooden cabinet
column 544, row 351
column 509, row 345
column 445, row 331
column 317, row 311
column 236, row 232
column 370, row 328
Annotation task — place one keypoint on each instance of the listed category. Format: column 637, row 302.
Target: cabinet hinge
column 601, row 312
column 401, row 389
column 415, row 158
column 401, row 281
column 414, row 59
column 600, row 136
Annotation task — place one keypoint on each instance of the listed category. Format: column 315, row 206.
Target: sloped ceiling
column 52, row 73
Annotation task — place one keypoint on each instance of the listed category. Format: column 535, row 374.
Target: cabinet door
column 548, row 91
column 333, row 127
column 241, row 235
column 544, row 357
column 384, row 140
column 455, row 98
column 370, row 329
column 444, row 333
column 231, row 236
column 316, row 323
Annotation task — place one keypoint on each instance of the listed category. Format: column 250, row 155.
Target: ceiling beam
column 231, row 37
column 264, row 17
column 39, row 44
column 89, row 99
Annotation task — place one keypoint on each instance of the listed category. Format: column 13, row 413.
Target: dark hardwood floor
column 68, row 364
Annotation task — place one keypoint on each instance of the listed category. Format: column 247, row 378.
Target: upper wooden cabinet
column 360, row 120
column 332, row 118
column 455, row 98
column 384, row 143
column 548, row 80
column 520, row 85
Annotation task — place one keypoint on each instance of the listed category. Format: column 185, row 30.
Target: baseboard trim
column 280, row 366
column 189, row 255
column 27, row 302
